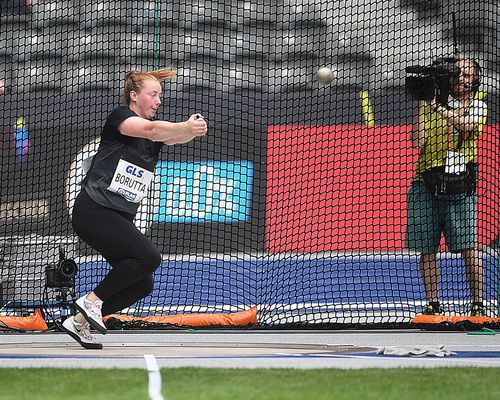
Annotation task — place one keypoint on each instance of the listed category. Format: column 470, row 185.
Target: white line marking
column 154, row 377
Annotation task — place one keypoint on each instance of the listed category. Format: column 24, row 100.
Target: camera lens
column 68, row 269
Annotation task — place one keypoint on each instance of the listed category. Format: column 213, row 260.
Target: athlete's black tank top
column 137, row 154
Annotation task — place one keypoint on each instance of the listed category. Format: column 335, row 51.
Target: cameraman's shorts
column 428, row 218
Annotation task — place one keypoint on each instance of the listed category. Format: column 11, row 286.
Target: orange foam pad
column 33, row 322
column 453, row 319
column 240, row 318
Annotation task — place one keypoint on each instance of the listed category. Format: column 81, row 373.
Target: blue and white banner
column 203, row 191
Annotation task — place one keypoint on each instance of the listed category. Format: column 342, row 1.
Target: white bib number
column 130, row 181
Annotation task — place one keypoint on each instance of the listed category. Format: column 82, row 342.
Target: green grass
column 248, row 384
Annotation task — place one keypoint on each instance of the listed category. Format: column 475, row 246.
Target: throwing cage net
column 295, row 204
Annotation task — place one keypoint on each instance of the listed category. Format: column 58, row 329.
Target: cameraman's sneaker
column 81, row 333
column 477, row 310
column 431, row 309
column 91, row 310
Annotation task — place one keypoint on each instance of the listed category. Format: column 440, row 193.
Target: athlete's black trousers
column 132, row 256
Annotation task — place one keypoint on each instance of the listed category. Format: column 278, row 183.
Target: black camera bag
column 451, row 186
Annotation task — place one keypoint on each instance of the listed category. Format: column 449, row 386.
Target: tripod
column 65, row 300
column 67, row 307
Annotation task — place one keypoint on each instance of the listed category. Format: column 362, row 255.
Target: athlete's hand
column 197, row 125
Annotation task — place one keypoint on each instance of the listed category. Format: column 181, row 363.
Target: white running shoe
column 81, row 333
column 91, row 310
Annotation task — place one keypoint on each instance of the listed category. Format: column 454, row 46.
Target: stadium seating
column 201, row 12
column 6, row 71
column 242, row 76
column 90, row 75
column 300, row 15
column 424, row 8
column 54, row 12
column 101, row 12
column 6, row 39
column 351, row 36
column 152, row 13
column 198, row 74
column 38, row 74
column 476, row 30
column 260, row 13
column 198, row 43
column 250, row 41
column 293, row 44
column 143, row 45
column 39, row 43
column 287, row 76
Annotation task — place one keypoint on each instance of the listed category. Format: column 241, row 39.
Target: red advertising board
column 343, row 187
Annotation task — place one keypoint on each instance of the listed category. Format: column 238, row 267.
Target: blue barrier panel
column 301, row 284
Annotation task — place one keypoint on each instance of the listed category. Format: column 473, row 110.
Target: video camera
column 433, row 81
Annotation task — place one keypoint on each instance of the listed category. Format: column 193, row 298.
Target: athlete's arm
column 163, row 131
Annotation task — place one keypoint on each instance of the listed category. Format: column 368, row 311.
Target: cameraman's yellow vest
column 439, row 139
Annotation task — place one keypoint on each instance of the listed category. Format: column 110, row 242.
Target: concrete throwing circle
column 182, row 349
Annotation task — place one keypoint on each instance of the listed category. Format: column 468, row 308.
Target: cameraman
column 445, row 136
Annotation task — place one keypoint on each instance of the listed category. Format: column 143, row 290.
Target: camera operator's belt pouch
column 454, row 180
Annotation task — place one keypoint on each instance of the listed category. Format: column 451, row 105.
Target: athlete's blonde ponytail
column 135, row 79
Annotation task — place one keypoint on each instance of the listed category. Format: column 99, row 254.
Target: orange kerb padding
column 452, row 319
column 34, row 322
column 240, row 318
